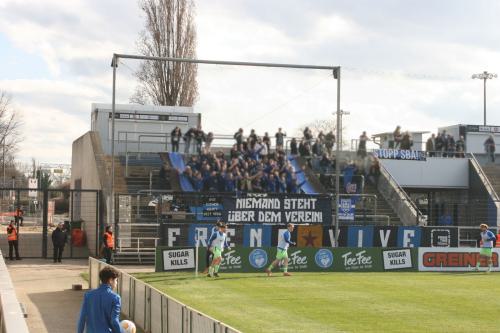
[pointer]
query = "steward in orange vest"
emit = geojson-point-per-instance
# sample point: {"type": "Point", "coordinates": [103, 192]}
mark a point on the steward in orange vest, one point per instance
{"type": "Point", "coordinates": [109, 244]}
{"type": "Point", "coordinates": [13, 239]}
{"type": "Point", "coordinates": [497, 243]}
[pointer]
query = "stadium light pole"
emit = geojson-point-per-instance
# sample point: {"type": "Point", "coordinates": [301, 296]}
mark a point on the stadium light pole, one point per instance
{"type": "Point", "coordinates": [336, 75]}
{"type": "Point", "coordinates": [484, 76]}
{"type": "Point", "coordinates": [114, 64]}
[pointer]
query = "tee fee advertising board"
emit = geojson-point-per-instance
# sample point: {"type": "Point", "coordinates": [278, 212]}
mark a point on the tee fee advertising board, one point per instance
{"type": "Point", "coordinates": [453, 259]}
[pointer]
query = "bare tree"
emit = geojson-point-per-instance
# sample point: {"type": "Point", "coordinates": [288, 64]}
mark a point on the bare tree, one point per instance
{"type": "Point", "coordinates": [325, 126]}
{"type": "Point", "coordinates": [169, 31]}
{"type": "Point", "coordinates": [10, 134]}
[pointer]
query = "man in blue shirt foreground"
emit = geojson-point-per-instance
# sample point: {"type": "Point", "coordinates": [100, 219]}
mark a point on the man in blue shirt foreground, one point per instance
{"type": "Point", "coordinates": [101, 307]}
{"type": "Point", "coordinates": [487, 239]}
{"type": "Point", "coordinates": [284, 241]}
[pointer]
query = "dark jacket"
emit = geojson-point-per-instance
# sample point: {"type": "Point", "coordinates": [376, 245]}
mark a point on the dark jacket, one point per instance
{"type": "Point", "coordinates": [59, 237]}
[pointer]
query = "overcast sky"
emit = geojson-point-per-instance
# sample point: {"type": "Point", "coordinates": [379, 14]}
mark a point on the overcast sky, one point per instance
{"type": "Point", "coordinates": [404, 62]}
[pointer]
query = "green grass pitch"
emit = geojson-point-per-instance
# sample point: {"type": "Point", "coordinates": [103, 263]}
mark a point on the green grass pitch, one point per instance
{"type": "Point", "coordinates": [342, 302]}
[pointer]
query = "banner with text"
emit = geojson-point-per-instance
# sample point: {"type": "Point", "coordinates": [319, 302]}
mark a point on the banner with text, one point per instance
{"type": "Point", "coordinates": [397, 154]}
{"type": "Point", "coordinates": [431, 259]}
{"type": "Point", "coordinates": [279, 210]}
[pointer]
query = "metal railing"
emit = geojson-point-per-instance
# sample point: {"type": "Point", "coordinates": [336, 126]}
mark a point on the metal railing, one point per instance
{"type": "Point", "coordinates": [398, 199]}
{"type": "Point", "coordinates": [11, 314]}
{"type": "Point", "coordinates": [153, 310]}
{"type": "Point", "coordinates": [484, 178]}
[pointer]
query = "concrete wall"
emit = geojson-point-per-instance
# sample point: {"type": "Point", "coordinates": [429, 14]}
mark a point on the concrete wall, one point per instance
{"type": "Point", "coordinates": [432, 173]}
{"type": "Point", "coordinates": [85, 176]}
{"type": "Point", "coordinates": [154, 120]}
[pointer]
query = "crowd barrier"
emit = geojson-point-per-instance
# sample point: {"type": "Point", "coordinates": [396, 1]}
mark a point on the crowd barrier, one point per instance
{"type": "Point", "coordinates": [259, 235]}
{"type": "Point", "coordinates": [154, 311]}
{"type": "Point", "coordinates": [308, 259]}
{"type": "Point", "coordinates": [11, 315]}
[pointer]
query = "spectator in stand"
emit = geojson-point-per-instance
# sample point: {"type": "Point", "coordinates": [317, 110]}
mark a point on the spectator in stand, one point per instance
{"type": "Point", "coordinates": [307, 135]}
{"type": "Point", "coordinates": [406, 142]}
{"type": "Point", "coordinates": [267, 141]}
{"type": "Point", "coordinates": [280, 139]}
{"type": "Point", "coordinates": [329, 142]}
{"type": "Point", "coordinates": [374, 171]}
{"type": "Point", "coordinates": [321, 136]}
{"type": "Point", "coordinates": [362, 145]}
{"type": "Point", "coordinates": [188, 138]}
{"type": "Point", "coordinates": [326, 164]}
{"type": "Point", "coordinates": [460, 147]}
{"type": "Point", "coordinates": [293, 147]}
{"type": "Point", "coordinates": [438, 144]}
{"type": "Point", "coordinates": [317, 147]}
{"type": "Point", "coordinates": [238, 136]}
{"type": "Point", "coordinates": [444, 145]}
{"type": "Point", "coordinates": [451, 146]}
{"type": "Point", "coordinates": [489, 147]}
{"type": "Point", "coordinates": [199, 138]}
{"type": "Point", "coordinates": [398, 137]}
{"type": "Point", "coordinates": [208, 141]}
{"type": "Point", "coordinates": [175, 138]}
{"type": "Point", "coordinates": [430, 145]}
{"type": "Point", "coordinates": [252, 138]}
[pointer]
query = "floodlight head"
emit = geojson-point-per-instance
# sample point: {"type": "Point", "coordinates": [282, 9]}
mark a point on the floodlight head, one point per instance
{"type": "Point", "coordinates": [484, 76]}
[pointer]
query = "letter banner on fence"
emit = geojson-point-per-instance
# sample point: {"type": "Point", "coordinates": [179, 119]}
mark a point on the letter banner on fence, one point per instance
{"type": "Point", "coordinates": [301, 259]}
{"type": "Point", "coordinates": [279, 210]}
{"type": "Point", "coordinates": [397, 154]}
{"type": "Point", "coordinates": [431, 259]}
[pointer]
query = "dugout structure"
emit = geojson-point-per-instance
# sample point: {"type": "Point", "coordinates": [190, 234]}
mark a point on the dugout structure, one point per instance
{"type": "Point", "coordinates": [336, 73]}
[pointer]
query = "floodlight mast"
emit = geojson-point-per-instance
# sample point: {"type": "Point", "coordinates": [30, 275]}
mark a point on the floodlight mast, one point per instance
{"type": "Point", "coordinates": [485, 76]}
{"type": "Point", "coordinates": [114, 64]}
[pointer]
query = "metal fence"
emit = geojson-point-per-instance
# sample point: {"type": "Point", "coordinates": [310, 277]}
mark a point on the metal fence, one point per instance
{"type": "Point", "coordinates": [11, 315]}
{"type": "Point", "coordinates": [42, 211]}
{"type": "Point", "coordinates": [154, 311]}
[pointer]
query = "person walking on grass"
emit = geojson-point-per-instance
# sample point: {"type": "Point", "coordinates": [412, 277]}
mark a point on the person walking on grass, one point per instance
{"type": "Point", "coordinates": [101, 307]}
{"type": "Point", "coordinates": [284, 242]}
{"type": "Point", "coordinates": [487, 239]}
{"type": "Point", "coordinates": [217, 243]}
{"type": "Point", "coordinates": [209, 255]}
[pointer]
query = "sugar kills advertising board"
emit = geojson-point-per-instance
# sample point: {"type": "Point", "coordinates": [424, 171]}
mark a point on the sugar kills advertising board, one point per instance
{"type": "Point", "coordinates": [176, 259]}
{"type": "Point", "coordinates": [279, 210]}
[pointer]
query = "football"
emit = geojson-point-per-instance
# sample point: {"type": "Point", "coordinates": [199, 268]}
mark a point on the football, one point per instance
{"type": "Point", "coordinates": [126, 326]}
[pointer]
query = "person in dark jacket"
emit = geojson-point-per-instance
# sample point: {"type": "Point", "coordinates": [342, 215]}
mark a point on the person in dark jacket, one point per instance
{"type": "Point", "coordinates": [59, 239]}
{"type": "Point", "coordinates": [175, 138]}
{"type": "Point", "coordinates": [489, 147]}
{"type": "Point", "coordinates": [101, 307]}
{"type": "Point", "coordinates": [293, 147]}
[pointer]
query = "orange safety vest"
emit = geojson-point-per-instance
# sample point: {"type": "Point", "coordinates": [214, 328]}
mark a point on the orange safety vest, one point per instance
{"type": "Point", "coordinates": [11, 234]}
{"type": "Point", "coordinates": [110, 242]}
{"type": "Point", "coordinates": [498, 240]}
{"type": "Point", "coordinates": [19, 212]}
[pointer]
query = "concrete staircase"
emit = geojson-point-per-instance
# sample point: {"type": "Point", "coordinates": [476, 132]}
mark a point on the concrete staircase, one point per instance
{"type": "Point", "coordinates": [383, 208]}
{"type": "Point", "coordinates": [492, 171]}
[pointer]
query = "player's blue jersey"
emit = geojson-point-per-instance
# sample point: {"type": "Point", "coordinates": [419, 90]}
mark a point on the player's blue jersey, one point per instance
{"type": "Point", "coordinates": [487, 237]}
{"type": "Point", "coordinates": [284, 240]}
{"type": "Point", "coordinates": [218, 240]}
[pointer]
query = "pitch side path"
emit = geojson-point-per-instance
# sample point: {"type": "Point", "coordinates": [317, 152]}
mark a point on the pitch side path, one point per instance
{"type": "Point", "coordinates": [45, 290]}
{"type": "Point", "coordinates": [342, 302]}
